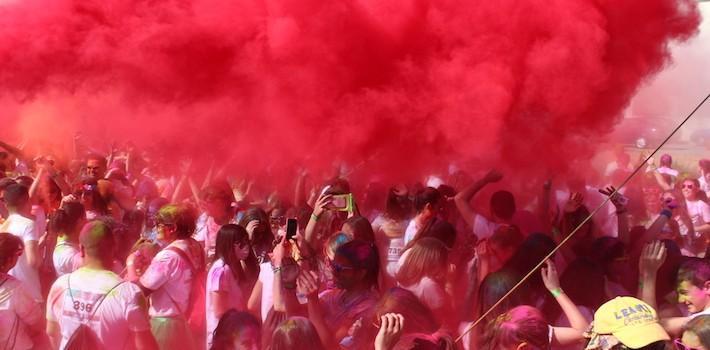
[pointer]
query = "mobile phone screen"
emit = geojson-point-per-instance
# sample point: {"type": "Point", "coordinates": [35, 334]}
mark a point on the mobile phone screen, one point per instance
{"type": "Point", "coordinates": [291, 228]}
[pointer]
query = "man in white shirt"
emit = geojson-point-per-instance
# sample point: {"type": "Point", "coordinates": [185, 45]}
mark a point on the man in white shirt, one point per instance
{"type": "Point", "coordinates": [217, 202]}
{"type": "Point", "coordinates": [114, 310]}
{"type": "Point", "coordinates": [20, 224]}
{"type": "Point", "coordinates": [502, 207]}
{"type": "Point", "coordinates": [169, 278]}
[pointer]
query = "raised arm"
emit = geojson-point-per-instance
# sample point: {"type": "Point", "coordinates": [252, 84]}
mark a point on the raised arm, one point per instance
{"type": "Point", "coordinates": [564, 335]}
{"type": "Point", "coordinates": [620, 202]}
{"type": "Point", "coordinates": [17, 152]}
{"type": "Point", "coordinates": [318, 210]}
{"type": "Point", "coordinates": [308, 285]}
{"type": "Point", "coordinates": [463, 198]}
{"type": "Point", "coordinates": [652, 257]}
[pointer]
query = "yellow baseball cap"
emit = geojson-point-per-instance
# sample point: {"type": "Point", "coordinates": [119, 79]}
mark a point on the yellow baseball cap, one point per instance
{"type": "Point", "coordinates": [633, 322]}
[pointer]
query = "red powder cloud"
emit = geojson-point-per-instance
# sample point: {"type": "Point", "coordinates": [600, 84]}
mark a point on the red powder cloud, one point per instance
{"type": "Point", "coordinates": [405, 86]}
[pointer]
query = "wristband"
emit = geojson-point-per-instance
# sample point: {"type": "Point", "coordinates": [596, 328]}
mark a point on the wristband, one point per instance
{"type": "Point", "coordinates": [276, 269]}
{"type": "Point", "coordinates": [667, 213]}
{"type": "Point", "coordinates": [556, 292]}
{"type": "Point", "coordinates": [314, 217]}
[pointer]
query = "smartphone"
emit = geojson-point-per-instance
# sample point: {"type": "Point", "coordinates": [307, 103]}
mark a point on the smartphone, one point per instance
{"type": "Point", "coordinates": [342, 202]}
{"type": "Point", "coordinates": [291, 229]}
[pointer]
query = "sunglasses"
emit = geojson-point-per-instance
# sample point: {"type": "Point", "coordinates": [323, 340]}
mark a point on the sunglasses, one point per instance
{"type": "Point", "coordinates": [680, 346]}
{"type": "Point", "coordinates": [340, 268]}
{"type": "Point", "coordinates": [688, 186]}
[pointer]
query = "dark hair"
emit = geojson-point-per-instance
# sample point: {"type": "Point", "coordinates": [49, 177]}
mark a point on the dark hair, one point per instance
{"type": "Point", "coordinates": [362, 255]}
{"type": "Point", "coordinates": [700, 326]}
{"type": "Point", "coordinates": [423, 341]}
{"type": "Point", "coordinates": [90, 186]}
{"type": "Point", "coordinates": [583, 280]}
{"type": "Point", "coordinates": [427, 195]}
{"type": "Point", "coordinates": [361, 227]}
{"type": "Point", "coordinates": [493, 287]}
{"type": "Point", "coordinates": [522, 324]}
{"type": "Point", "coordinates": [66, 218]}
{"type": "Point", "coordinates": [296, 333]}
{"type": "Point", "coordinates": [262, 241]}
{"type": "Point", "coordinates": [604, 250]}
{"type": "Point", "coordinates": [436, 228]}
{"type": "Point", "coordinates": [9, 246]}
{"type": "Point", "coordinates": [337, 186]}
{"type": "Point", "coordinates": [218, 190]}
{"type": "Point", "coordinates": [507, 236]}
{"type": "Point", "coordinates": [6, 181]}
{"type": "Point", "coordinates": [533, 249]}
{"type": "Point", "coordinates": [24, 180]}
{"type": "Point", "coordinates": [503, 205]}
{"type": "Point", "coordinates": [418, 317]}
{"type": "Point", "coordinates": [397, 207]}
{"type": "Point", "coordinates": [95, 156]}
{"type": "Point", "coordinates": [16, 195]}
{"type": "Point", "coordinates": [694, 270]}
{"type": "Point", "coordinates": [182, 216]}
{"type": "Point", "coordinates": [227, 236]}
{"type": "Point", "coordinates": [230, 325]}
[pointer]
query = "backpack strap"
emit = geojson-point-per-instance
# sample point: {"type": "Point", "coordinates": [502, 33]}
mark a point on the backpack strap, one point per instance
{"type": "Point", "coordinates": [97, 305]}
{"type": "Point", "coordinates": [183, 255]}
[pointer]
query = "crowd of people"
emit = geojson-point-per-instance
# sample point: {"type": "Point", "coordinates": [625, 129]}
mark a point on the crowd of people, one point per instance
{"type": "Point", "coordinates": [112, 251]}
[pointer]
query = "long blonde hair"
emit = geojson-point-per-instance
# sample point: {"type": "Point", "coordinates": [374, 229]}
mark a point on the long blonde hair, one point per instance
{"type": "Point", "coordinates": [427, 258]}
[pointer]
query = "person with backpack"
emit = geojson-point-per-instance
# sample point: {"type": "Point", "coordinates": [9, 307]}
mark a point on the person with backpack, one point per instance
{"type": "Point", "coordinates": [92, 308]}
{"type": "Point", "coordinates": [174, 282]}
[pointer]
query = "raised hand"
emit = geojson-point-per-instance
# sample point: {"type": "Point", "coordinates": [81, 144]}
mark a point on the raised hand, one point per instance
{"type": "Point", "coordinates": [616, 198]}
{"type": "Point", "coordinates": [391, 326]}
{"type": "Point", "coordinates": [652, 257]}
{"type": "Point", "coordinates": [575, 201]}
{"type": "Point", "coordinates": [308, 284]}
{"type": "Point", "coordinates": [550, 277]}
{"type": "Point", "coordinates": [322, 203]}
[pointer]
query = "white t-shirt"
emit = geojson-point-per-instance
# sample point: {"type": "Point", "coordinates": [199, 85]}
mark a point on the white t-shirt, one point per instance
{"type": "Point", "coordinates": [18, 308]}
{"type": "Point", "coordinates": [221, 279]}
{"type": "Point", "coordinates": [430, 293]}
{"type": "Point", "coordinates": [704, 185]}
{"type": "Point", "coordinates": [699, 213]}
{"type": "Point", "coordinates": [484, 228]}
{"type": "Point", "coordinates": [390, 247]}
{"type": "Point", "coordinates": [170, 278]}
{"type": "Point", "coordinates": [701, 313]}
{"type": "Point", "coordinates": [411, 231]}
{"type": "Point", "coordinates": [66, 257]}
{"type": "Point", "coordinates": [121, 313]}
{"type": "Point", "coordinates": [24, 228]}
{"type": "Point", "coordinates": [40, 219]}
{"type": "Point", "coordinates": [206, 232]}
{"type": "Point", "coordinates": [266, 277]}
